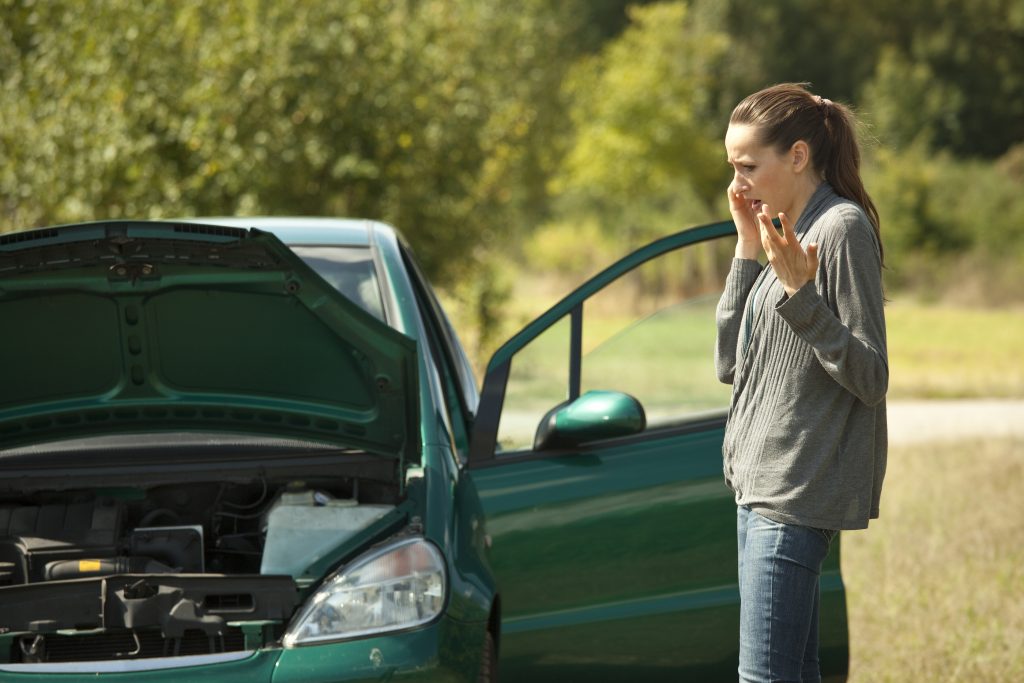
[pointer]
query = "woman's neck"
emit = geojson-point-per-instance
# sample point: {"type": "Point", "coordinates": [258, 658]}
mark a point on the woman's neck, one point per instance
{"type": "Point", "coordinates": [803, 195]}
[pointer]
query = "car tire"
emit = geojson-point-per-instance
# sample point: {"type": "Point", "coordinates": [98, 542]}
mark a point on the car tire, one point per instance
{"type": "Point", "coordinates": [488, 660]}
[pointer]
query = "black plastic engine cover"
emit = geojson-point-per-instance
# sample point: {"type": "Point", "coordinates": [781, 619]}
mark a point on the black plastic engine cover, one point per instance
{"type": "Point", "coordinates": [31, 536]}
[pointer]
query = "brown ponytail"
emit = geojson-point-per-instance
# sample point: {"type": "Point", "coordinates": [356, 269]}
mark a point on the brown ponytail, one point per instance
{"type": "Point", "coordinates": [787, 112]}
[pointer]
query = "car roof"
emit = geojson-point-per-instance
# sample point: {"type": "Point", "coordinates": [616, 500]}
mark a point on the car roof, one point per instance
{"type": "Point", "coordinates": [302, 229]}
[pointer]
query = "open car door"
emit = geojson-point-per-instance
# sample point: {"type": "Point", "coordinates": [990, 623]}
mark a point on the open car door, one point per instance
{"type": "Point", "coordinates": [597, 454]}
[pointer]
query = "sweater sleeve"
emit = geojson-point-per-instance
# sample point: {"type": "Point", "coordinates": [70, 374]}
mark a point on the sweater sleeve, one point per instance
{"type": "Point", "coordinates": [729, 315]}
{"type": "Point", "coordinates": [848, 337]}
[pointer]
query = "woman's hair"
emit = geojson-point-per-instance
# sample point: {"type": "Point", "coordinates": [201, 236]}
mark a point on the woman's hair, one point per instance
{"type": "Point", "coordinates": [785, 113]}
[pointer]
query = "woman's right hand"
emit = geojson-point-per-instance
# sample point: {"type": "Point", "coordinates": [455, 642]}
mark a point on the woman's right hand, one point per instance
{"type": "Point", "coordinates": [748, 245]}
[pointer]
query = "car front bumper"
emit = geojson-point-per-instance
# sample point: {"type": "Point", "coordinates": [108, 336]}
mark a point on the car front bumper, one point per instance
{"type": "Point", "coordinates": [446, 650]}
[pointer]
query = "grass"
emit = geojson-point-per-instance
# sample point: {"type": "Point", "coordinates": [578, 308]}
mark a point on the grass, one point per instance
{"type": "Point", "coordinates": [660, 350]}
{"type": "Point", "coordinates": [936, 350]}
{"type": "Point", "coordinates": [666, 359]}
{"type": "Point", "coordinates": [935, 587]}
{"type": "Point", "coordinates": [952, 352]}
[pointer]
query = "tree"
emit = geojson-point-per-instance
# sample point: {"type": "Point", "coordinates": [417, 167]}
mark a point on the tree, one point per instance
{"type": "Point", "coordinates": [945, 69]}
{"type": "Point", "coordinates": [647, 142]}
{"type": "Point", "coordinates": [951, 69]}
{"type": "Point", "coordinates": [431, 115]}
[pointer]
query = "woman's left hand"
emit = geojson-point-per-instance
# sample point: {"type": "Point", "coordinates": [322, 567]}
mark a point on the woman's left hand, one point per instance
{"type": "Point", "coordinates": [792, 265]}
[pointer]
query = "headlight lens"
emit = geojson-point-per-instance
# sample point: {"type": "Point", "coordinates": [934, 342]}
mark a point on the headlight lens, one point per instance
{"type": "Point", "coordinates": [398, 586]}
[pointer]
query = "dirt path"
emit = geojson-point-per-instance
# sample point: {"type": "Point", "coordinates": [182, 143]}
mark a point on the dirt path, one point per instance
{"type": "Point", "coordinates": [922, 421]}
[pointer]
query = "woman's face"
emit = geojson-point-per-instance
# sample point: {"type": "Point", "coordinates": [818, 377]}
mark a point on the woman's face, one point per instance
{"type": "Point", "coordinates": [760, 173]}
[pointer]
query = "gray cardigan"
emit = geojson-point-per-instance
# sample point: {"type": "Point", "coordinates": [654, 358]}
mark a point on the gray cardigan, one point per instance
{"type": "Point", "coordinates": [805, 442]}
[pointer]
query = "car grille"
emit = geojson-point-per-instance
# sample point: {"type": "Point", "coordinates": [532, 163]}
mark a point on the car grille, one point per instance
{"type": "Point", "coordinates": [123, 645]}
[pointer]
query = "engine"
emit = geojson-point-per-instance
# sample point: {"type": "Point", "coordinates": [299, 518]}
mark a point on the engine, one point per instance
{"type": "Point", "coordinates": [174, 569]}
{"type": "Point", "coordinates": [190, 529]}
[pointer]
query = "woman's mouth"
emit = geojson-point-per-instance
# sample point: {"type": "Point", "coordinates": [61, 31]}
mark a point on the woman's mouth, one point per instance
{"type": "Point", "coordinates": [755, 205]}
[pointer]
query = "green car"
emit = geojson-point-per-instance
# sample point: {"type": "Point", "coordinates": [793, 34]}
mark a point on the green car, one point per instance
{"type": "Point", "coordinates": [254, 450]}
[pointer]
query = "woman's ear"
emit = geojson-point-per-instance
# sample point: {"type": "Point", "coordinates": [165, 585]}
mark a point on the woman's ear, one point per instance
{"type": "Point", "coordinates": [800, 156]}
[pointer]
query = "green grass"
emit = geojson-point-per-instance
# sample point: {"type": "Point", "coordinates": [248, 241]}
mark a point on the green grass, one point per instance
{"type": "Point", "coordinates": [934, 352]}
{"type": "Point", "coordinates": [935, 587]}
{"type": "Point", "coordinates": [667, 360]}
{"type": "Point", "coordinates": [949, 352]}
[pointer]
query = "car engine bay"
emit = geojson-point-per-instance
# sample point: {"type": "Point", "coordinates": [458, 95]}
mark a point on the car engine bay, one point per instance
{"type": "Point", "coordinates": [170, 569]}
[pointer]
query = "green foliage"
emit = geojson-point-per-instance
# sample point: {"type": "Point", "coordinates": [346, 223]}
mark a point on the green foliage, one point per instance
{"type": "Point", "coordinates": [430, 115]}
{"type": "Point", "coordinates": [645, 159]}
{"type": "Point", "coordinates": [644, 139]}
{"type": "Point", "coordinates": [467, 122]}
{"type": "Point", "coordinates": [952, 227]}
{"type": "Point", "coordinates": [646, 156]}
{"type": "Point", "coordinates": [907, 189]}
{"type": "Point", "coordinates": [575, 247]}
{"type": "Point", "coordinates": [909, 104]}
{"type": "Point", "coordinates": [975, 54]}
{"type": "Point", "coordinates": [831, 45]}
{"type": "Point", "coordinates": [947, 68]}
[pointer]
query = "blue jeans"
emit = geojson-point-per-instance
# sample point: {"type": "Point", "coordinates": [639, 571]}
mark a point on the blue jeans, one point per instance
{"type": "Point", "coordinates": [779, 569]}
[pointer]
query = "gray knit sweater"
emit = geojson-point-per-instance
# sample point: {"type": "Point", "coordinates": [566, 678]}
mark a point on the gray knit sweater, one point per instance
{"type": "Point", "coordinates": [806, 440]}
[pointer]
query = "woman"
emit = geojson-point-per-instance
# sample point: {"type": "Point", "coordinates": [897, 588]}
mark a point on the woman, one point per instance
{"type": "Point", "coordinates": [802, 341]}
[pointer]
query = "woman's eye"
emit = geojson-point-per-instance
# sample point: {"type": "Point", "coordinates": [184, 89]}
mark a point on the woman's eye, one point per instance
{"type": "Point", "coordinates": [748, 167]}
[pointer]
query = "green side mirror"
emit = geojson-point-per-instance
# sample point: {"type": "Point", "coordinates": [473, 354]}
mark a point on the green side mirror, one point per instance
{"type": "Point", "coordinates": [594, 415]}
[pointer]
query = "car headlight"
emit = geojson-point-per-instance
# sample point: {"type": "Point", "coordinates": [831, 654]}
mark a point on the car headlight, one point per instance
{"type": "Point", "coordinates": [398, 586]}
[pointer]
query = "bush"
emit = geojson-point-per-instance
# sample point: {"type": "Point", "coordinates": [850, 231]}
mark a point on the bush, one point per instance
{"type": "Point", "coordinates": [951, 226]}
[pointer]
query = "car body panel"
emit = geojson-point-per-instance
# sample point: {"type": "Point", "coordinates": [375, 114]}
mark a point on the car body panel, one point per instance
{"type": "Point", "coordinates": [309, 230]}
{"type": "Point", "coordinates": [446, 650]}
{"type": "Point", "coordinates": [255, 667]}
{"type": "Point", "coordinates": [599, 570]}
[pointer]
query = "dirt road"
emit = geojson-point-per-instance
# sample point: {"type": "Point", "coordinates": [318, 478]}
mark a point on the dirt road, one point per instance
{"type": "Point", "coordinates": [921, 421]}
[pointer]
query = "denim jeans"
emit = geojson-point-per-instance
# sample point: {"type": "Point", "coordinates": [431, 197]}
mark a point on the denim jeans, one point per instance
{"type": "Point", "coordinates": [779, 568]}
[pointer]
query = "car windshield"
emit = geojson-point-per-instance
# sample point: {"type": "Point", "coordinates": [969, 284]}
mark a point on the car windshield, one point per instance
{"type": "Point", "coordinates": [350, 270]}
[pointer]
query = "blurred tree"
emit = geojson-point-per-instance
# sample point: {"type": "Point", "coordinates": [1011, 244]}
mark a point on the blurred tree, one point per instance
{"type": "Point", "coordinates": [953, 228]}
{"type": "Point", "coordinates": [450, 119]}
{"type": "Point", "coordinates": [646, 138]}
{"type": "Point", "coordinates": [952, 69]}
{"type": "Point", "coordinates": [601, 21]}
{"type": "Point", "coordinates": [908, 104]}
{"type": "Point", "coordinates": [947, 70]}
{"type": "Point", "coordinates": [831, 45]}
{"type": "Point", "coordinates": [433, 115]}
{"type": "Point", "coordinates": [646, 156]}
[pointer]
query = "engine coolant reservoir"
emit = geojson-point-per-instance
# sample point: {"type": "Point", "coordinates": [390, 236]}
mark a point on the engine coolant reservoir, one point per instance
{"type": "Point", "coordinates": [302, 526]}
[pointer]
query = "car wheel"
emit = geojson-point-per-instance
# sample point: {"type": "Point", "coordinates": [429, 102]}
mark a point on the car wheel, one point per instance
{"type": "Point", "coordinates": [488, 663]}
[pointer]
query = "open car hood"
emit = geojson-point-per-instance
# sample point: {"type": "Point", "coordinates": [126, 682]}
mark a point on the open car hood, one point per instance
{"type": "Point", "coordinates": [149, 327]}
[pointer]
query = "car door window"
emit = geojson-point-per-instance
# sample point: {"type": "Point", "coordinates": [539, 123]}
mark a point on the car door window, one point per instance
{"type": "Point", "coordinates": [649, 333]}
{"type": "Point", "coordinates": [537, 381]}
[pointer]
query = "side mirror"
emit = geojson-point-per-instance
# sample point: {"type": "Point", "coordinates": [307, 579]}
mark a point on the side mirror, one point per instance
{"type": "Point", "coordinates": [594, 415]}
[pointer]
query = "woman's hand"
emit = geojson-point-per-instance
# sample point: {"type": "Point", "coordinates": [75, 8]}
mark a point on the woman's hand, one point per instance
{"type": "Point", "coordinates": [749, 244]}
{"type": "Point", "coordinates": [792, 265]}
